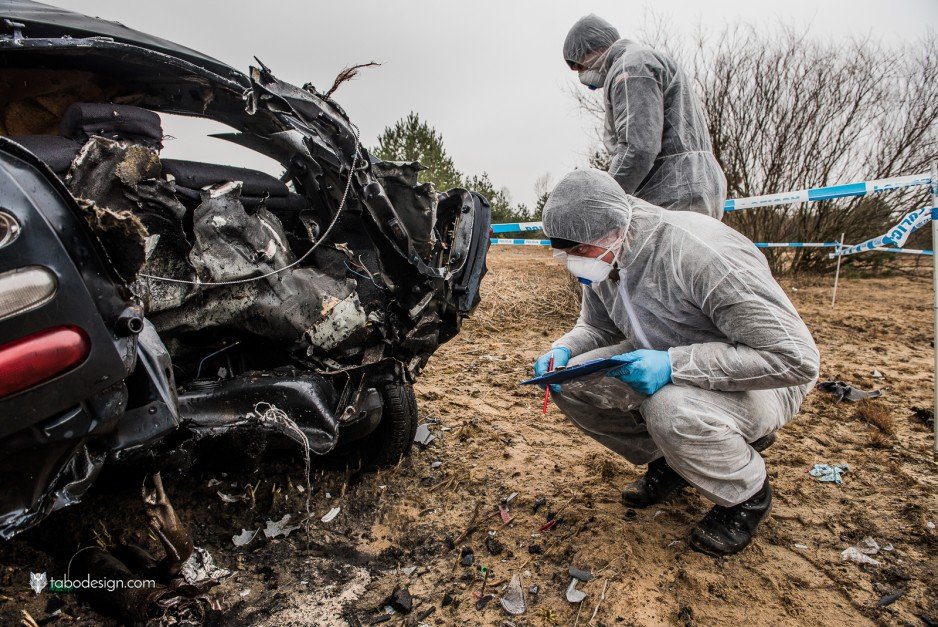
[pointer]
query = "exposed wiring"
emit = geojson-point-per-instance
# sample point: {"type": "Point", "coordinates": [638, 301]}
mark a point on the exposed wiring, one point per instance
{"type": "Point", "coordinates": [198, 372]}
{"type": "Point", "coordinates": [361, 264]}
{"type": "Point", "coordinates": [356, 273]}
{"type": "Point", "coordinates": [335, 219]}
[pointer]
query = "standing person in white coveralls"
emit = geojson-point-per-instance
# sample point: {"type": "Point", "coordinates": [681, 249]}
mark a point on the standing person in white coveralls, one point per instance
{"type": "Point", "coordinates": [655, 128]}
{"type": "Point", "coordinates": [715, 357]}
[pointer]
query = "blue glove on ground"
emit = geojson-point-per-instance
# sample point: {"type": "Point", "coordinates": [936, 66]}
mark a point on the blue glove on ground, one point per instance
{"type": "Point", "coordinates": [561, 356]}
{"type": "Point", "coordinates": [646, 371]}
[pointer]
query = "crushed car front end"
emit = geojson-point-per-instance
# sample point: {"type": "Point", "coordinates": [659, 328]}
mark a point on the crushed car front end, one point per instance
{"type": "Point", "coordinates": [223, 299]}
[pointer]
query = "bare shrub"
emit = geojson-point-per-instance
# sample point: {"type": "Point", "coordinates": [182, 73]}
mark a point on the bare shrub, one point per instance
{"type": "Point", "coordinates": [787, 111]}
{"type": "Point", "coordinates": [878, 440]}
{"type": "Point", "coordinates": [877, 415]}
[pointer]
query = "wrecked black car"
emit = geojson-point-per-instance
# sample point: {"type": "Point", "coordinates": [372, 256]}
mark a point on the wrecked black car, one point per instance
{"type": "Point", "coordinates": [148, 304]}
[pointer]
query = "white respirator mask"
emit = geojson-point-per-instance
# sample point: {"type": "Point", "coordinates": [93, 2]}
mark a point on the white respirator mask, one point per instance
{"type": "Point", "coordinates": [591, 78]}
{"type": "Point", "coordinates": [589, 270]}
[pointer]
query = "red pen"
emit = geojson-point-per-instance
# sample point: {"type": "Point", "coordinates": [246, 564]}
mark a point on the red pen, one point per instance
{"type": "Point", "coordinates": [550, 368]}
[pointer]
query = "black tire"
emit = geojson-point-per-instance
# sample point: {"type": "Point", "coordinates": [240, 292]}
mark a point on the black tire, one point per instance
{"type": "Point", "coordinates": [394, 437]}
{"type": "Point", "coordinates": [391, 440]}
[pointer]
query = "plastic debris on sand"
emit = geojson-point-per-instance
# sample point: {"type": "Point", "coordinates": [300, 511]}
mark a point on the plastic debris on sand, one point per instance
{"type": "Point", "coordinates": [513, 599]}
{"type": "Point", "coordinates": [829, 473]}
{"type": "Point", "coordinates": [861, 552]}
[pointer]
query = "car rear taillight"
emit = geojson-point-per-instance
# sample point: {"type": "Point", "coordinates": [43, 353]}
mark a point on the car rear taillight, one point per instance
{"type": "Point", "coordinates": [24, 289]}
{"type": "Point", "coordinates": [39, 357]}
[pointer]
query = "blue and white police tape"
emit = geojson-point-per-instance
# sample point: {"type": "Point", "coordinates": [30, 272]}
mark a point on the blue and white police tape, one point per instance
{"type": "Point", "coordinates": [897, 235]}
{"type": "Point", "coordinates": [516, 227]}
{"type": "Point", "coordinates": [520, 242]}
{"type": "Point", "coordinates": [905, 251]}
{"type": "Point", "coordinates": [815, 194]}
{"type": "Point", "coordinates": [861, 188]}
{"type": "Point", "coordinates": [546, 242]}
{"type": "Point", "coordinates": [909, 251]}
{"type": "Point", "coordinates": [798, 244]}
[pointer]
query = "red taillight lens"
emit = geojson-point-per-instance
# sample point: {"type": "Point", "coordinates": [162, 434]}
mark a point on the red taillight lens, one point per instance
{"type": "Point", "coordinates": [41, 356]}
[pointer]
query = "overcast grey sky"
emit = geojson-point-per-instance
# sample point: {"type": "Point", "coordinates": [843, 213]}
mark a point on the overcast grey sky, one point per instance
{"type": "Point", "coordinates": [488, 75]}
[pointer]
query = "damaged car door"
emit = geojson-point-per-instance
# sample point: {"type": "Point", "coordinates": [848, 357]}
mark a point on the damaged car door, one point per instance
{"type": "Point", "coordinates": [143, 296]}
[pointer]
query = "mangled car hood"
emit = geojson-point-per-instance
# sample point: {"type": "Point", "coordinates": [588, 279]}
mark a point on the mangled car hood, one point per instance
{"type": "Point", "coordinates": [312, 292]}
{"type": "Point", "coordinates": [307, 132]}
{"type": "Point", "coordinates": [42, 20]}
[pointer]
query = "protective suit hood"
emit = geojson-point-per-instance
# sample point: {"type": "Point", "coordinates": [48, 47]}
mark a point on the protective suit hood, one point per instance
{"type": "Point", "coordinates": [586, 206]}
{"type": "Point", "coordinates": [590, 34]}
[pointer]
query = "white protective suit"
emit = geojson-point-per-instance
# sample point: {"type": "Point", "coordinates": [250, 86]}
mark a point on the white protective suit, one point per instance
{"type": "Point", "coordinates": [655, 127]}
{"type": "Point", "coordinates": [742, 359]}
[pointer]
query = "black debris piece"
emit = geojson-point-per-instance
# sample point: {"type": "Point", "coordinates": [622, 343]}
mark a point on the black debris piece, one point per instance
{"type": "Point", "coordinates": [494, 546]}
{"type": "Point", "coordinates": [447, 599]}
{"type": "Point", "coordinates": [889, 599]}
{"type": "Point", "coordinates": [422, 616]}
{"type": "Point", "coordinates": [535, 549]}
{"type": "Point", "coordinates": [582, 575]}
{"type": "Point", "coordinates": [401, 600]}
{"type": "Point", "coordinates": [481, 603]}
{"type": "Point", "coordinates": [630, 513]}
{"type": "Point", "coordinates": [539, 502]}
{"type": "Point", "coordinates": [468, 557]}
{"type": "Point", "coordinates": [54, 604]}
{"type": "Point", "coordinates": [924, 415]}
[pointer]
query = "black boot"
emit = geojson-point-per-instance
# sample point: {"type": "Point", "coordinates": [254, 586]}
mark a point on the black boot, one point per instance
{"type": "Point", "coordinates": [657, 484]}
{"type": "Point", "coordinates": [728, 530]}
{"type": "Point", "coordinates": [764, 442]}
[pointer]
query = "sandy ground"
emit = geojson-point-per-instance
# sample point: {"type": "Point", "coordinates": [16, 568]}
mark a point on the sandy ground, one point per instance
{"type": "Point", "coordinates": [491, 441]}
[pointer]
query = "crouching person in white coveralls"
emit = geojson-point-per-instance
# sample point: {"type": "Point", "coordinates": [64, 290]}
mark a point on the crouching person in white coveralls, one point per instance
{"type": "Point", "coordinates": [714, 356]}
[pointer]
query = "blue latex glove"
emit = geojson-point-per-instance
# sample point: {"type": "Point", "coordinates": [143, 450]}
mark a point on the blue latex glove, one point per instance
{"type": "Point", "coordinates": [646, 371]}
{"type": "Point", "coordinates": [561, 356]}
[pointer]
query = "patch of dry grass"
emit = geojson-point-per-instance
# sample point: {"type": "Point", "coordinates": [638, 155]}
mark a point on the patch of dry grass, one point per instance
{"type": "Point", "coordinates": [874, 413]}
{"type": "Point", "coordinates": [512, 300]}
{"type": "Point", "coordinates": [879, 440]}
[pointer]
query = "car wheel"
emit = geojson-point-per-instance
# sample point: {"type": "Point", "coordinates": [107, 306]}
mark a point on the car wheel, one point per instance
{"type": "Point", "coordinates": [394, 436]}
{"type": "Point", "coordinates": [391, 440]}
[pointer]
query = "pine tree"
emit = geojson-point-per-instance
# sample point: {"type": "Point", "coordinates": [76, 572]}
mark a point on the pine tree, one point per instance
{"type": "Point", "coordinates": [502, 211]}
{"type": "Point", "coordinates": [411, 139]}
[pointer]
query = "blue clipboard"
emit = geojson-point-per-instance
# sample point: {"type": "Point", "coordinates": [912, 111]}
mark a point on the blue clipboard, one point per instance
{"type": "Point", "coordinates": [564, 375]}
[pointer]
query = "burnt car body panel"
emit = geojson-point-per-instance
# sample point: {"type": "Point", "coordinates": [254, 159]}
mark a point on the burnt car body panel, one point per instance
{"type": "Point", "coordinates": [45, 21]}
{"type": "Point", "coordinates": [44, 429]}
{"type": "Point", "coordinates": [311, 298]}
